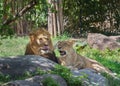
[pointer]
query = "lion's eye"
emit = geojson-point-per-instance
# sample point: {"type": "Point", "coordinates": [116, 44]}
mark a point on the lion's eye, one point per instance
{"type": "Point", "coordinates": [59, 47]}
{"type": "Point", "coordinates": [47, 38]}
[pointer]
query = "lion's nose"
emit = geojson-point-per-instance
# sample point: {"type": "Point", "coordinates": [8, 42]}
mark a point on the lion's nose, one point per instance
{"type": "Point", "coordinates": [46, 44]}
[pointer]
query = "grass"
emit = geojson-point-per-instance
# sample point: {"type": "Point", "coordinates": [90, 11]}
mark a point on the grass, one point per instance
{"type": "Point", "coordinates": [50, 82]}
{"type": "Point", "coordinates": [17, 45]}
{"type": "Point", "coordinates": [13, 46]}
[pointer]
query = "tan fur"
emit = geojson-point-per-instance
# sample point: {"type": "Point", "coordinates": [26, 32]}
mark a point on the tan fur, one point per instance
{"type": "Point", "coordinates": [40, 44]}
{"type": "Point", "coordinates": [74, 60]}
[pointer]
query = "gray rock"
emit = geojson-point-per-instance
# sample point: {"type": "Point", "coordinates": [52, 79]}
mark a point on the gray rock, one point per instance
{"type": "Point", "coordinates": [37, 81]}
{"type": "Point", "coordinates": [19, 65]}
{"type": "Point", "coordinates": [21, 83]}
{"type": "Point", "coordinates": [56, 78]}
{"type": "Point", "coordinates": [90, 77]}
{"type": "Point", "coordinates": [101, 42]}
{"type": "Point", "coordinates": [116, 38]}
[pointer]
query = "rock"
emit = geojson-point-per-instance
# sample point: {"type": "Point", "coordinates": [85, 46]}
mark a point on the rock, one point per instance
{"type": "Point", "coordinates": [37, 81]}
{"type": "Point", "coordinates": [90, 77]}
{"type": "Point", "coordinates": [56, 78]}
{"type": "Point", "coordinates": [19, 65]}
{"type": "Point", "coordinates": [21, 83]}
{"type": "Point", "coordinates": [101, 42]}
{"type": "Point", "coordinates": [116, 38]}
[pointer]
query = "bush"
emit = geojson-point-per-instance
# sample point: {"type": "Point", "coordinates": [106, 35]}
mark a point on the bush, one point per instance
{"type": "Point", "coordinates": [49, 82]}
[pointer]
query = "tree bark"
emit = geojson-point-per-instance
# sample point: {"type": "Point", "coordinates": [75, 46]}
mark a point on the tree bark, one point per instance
{"type": "Point", "coordinates": [55, 19]}
{"type": "Point", "coordinates": [50, 20]}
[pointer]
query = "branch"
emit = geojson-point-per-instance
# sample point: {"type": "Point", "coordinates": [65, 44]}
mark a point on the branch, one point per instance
{"type": "Point", "coordinates": [19, 14]}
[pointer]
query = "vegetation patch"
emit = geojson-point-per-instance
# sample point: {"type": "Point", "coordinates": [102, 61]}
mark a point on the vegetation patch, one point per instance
{"type": "Point", "coordinates": [49, 82]}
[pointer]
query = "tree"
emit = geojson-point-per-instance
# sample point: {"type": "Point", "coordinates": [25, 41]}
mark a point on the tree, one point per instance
{"type": "Point", "coordinates": [92, 16]}
{"type": "Point", "coordinates": [13, 11]}
{"type": "Point", "coordinates": [55, 17]}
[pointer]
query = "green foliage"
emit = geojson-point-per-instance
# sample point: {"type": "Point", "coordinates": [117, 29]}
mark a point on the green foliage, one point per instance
{"type": "Point", "coordinates": [38, 14]}
{"type": "Point", "coordinates": [6, 31]}
{"type": "Point", "coordinates": [57, 53]}
{"type": "Point", "coordinates": [67, 75]}
{"type": "Point", "coordinates": [61, 37]}
{"type": "Point", "coordinates": [1, 11]}
{"type": "Point", "coordinates": [49, 82]}
{"type": "Point", "coordinates": [4, 78]}
{"type": "Point", "coordinates": [80, 14]}
{"type": "Point", "coordinates": [5, 11]}
{"type": "Point", "coordinates": [40, 72]}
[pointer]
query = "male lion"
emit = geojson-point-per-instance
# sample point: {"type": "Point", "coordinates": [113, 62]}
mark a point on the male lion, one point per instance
{"type": "Point", "coordinates": [41, 44]}
{"type": "Point", "coordinates": [69, 57]}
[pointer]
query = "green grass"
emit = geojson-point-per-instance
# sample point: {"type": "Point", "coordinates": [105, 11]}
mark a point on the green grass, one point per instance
{"type": "Point", "coordinates": [49, 82]}
{"type": "Point", "coordinates": [13, 46]}
{"type": "Point", "coordinates": [60, 38]}
{"type": "Point", "coordinates": [17, 45]}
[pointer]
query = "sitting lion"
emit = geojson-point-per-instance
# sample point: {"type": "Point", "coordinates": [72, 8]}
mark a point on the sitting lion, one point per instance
{"type": "Point", "coordinates": [41, 44]}
{"type": "Point", "coordinates": [69, 57]}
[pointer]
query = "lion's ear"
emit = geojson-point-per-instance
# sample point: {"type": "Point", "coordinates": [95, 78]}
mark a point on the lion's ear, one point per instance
{"type": "Point", "coordinates": [32, 37]}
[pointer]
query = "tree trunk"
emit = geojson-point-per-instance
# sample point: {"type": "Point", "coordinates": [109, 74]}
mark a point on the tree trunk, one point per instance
{"type": "Point", "coordinates": [50, 20]}
{"type": "Point", "coordinates": [55, 19]}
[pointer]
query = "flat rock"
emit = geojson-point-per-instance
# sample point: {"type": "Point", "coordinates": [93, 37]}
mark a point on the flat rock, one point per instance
{"type": "Point", "coordinates": [19, 65]}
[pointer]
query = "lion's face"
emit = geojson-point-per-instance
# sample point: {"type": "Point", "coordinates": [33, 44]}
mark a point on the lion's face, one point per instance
{"type": "Point", "coordinates": [66, 50]}
{"type": "Point", "coordinates": [41, 42]}
{"type": "Point", "coordinates": [63, 48]}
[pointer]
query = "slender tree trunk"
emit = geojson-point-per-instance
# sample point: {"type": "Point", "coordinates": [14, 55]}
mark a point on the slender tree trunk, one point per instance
{"type": "Point", "coordinates": [50, 20]}
{"type": "Point", "coordinates": [55, 19]}
{"type": "Point", "coordinates": [61, 16]}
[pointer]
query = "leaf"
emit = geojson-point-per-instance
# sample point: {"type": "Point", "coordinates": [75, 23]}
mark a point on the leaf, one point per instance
{"type": "Point", "coordinates": [57, 53]}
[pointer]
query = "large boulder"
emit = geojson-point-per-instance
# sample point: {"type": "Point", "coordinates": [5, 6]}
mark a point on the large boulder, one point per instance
{"type": "Point", "coordinates": [90, 77]}
{"type": "Point", "coordinates": [101, 42]}
{"type": "Point", "coordinates": [19, 65]}
{"type": "Point", "coordinates": [38, 81]}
